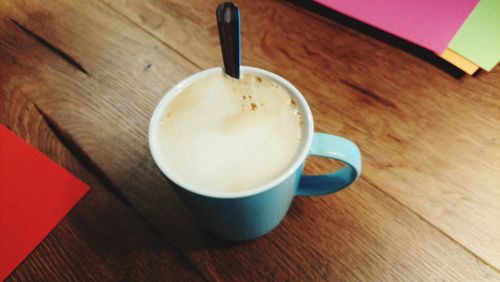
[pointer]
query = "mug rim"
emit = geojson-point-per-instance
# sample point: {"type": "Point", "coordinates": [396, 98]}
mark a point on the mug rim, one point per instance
{"type": "Point", "coordinates": [177, 89]}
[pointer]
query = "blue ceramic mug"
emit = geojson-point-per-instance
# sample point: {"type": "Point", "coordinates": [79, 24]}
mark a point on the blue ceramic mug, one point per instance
{"type": "Point", "coordinates": [249, 214]}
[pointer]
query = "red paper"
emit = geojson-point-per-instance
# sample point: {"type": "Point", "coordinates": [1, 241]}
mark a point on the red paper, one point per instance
{"type": "Point", "coordinates": [428, 23]}
{"type": "Point", "coordinates": [35, 194]}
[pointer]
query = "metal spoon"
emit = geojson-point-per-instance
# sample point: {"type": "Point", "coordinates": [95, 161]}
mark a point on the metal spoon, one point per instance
{"type": "Point", "coordinates": [228, 22]}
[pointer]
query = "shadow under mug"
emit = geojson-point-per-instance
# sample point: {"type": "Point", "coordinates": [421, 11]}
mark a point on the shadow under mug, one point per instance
{"type": "Point", "coordinates": [249, 214]}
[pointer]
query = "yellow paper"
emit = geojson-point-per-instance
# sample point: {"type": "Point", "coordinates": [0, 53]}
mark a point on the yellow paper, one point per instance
{"type": "Point", "coordinates": [459, 61]}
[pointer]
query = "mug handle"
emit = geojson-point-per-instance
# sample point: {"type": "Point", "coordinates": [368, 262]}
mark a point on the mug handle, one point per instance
{"type": "Point", "coordinates": [333, 147]}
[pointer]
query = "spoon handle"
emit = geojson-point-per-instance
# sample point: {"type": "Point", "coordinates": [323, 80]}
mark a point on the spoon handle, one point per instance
{"type": "Point", "coordinates": [228, 22]}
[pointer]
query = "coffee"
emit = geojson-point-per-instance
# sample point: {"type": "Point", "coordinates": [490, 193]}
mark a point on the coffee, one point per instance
{"type": "Point", "coordinates": [223, 134]}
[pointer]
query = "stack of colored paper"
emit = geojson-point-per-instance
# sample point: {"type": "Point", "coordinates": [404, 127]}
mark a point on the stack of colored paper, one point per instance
{"type": "Point", "coordinates": [466, 33]}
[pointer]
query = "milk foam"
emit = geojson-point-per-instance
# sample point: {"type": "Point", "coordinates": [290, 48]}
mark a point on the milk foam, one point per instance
{"type": "Point", "coordinates": [223, 134]}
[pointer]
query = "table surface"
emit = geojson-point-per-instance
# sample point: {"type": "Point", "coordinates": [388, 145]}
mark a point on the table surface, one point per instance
{"type": "Point", "coordinates": [79, 80]}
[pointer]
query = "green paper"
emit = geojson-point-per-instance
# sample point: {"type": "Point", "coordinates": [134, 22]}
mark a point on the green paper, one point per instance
{"type": "Point", "coordinates": [479, 37]}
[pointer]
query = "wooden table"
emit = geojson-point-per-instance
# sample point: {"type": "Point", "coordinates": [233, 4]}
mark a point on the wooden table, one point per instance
{"type": "Point", "coordinates": [80, 79]}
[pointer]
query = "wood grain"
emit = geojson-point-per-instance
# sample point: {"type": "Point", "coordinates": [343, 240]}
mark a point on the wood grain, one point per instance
{"type": "Point", "coordinates": [101, 239]}
{"type": "Point", "coordinates": [429, 141]}
{"type": "Point", "coordinates": [360, 233]}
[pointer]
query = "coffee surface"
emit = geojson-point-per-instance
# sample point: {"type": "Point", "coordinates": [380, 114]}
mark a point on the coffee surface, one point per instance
{"type": "Point", "coordinates": [223, 134]}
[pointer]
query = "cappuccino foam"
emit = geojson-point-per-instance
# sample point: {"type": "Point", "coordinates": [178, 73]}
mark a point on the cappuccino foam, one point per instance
{"type": "Point", "coordinates": [223, 134]}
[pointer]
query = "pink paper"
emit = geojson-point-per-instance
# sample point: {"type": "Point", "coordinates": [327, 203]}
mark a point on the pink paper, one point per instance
{"type": "Point", "coordinates": [428, 23]}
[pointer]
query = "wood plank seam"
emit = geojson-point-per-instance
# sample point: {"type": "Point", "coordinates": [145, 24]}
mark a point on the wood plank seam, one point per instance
{"type": "Point", "coordinates": [79, 154]}
{"type": "Point", "coordinates": [369, 93]}
{"type": "Point", "coordinates": [152, 35]}
{"type": "Point", "coordinates": [60, 53]}
{"type": "Point", "coordinates": [431, 224]}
